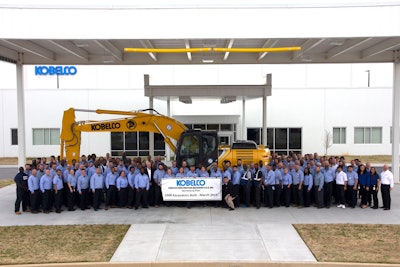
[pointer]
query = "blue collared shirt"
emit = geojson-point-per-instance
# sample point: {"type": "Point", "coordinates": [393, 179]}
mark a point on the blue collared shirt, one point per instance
{"type": "Point", "coordinates": [351, 178]}
{"type": "Point", "coordinates": [58, 182]}
{"type": "Point", "coordinates": [83, 183]}
{"type": "Point", "coordinates": [329, 174]}
{"type": "Point", "coordinates": [46, 183]}
{"type": "Point", "coordinates": [215, 173]}
{"type": "Point", "coordinates": [270, 178]}
{"type": "Point", "coordinates": [142, 181]}
{"type": "Point", "coordinates": [191, 174]}
{"type": "Point", "coordinates": [319, 180]}
{"type": "Point", "coordinates": [33, 183]}
{"type": "Point", "coordinates": [72, 180]}
{"type": "Point", "coordinates": [131, 178]}
{"type": "Point", "coordinates": [308, 181]}
{"type": "Point", "coordinates": [174, 170]}
{"type": "Point", "coordinates": [298, 176]}
{"type": "Point", "coordinates": [122, 182]}
{"type": "Point", "coordinates": [111, 179]}
{"type": "Point", "coordinates": [278, 176]}
{"type": "Point", "coordinates": [286, 179]}
{"type": "Point", "coordinates": [158, 175]}
{"type": "Point", "coordinates": [204, 174]}
{"type": "Point", "coordinates": [236, 178]}
{"type": "Point", "coordinates": [96, 181]}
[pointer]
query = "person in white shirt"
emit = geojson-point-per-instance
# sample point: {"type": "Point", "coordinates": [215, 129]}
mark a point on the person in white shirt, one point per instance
{"type": "Point", "coordinates": [341, 184]}
{"type": "Point", "coordinates": [386, 186]}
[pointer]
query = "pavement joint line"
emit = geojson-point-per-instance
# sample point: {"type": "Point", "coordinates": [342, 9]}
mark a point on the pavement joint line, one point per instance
{"type": "Point", "coordinates": [161, 242]}
{"type": "Point", "coordinates": [257, 229]}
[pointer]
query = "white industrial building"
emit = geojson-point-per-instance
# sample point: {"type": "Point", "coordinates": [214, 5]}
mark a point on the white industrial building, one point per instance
{"type": "Point", "coordinates": [306, 102]}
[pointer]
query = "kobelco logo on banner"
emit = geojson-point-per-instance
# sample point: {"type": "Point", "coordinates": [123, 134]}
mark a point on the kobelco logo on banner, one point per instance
{"type": "Point", "coordinates": [55, 70]}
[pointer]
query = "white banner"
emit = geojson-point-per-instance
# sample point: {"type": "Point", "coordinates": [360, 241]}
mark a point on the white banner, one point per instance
{"type": "Point", "coordinates": [191, 189]}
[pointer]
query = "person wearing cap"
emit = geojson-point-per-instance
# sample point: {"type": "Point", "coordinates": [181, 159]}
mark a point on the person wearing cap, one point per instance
{"type": "Point", "coordinates": [158, 175]}
{"type": "Point", "coordinates": [21, 180]}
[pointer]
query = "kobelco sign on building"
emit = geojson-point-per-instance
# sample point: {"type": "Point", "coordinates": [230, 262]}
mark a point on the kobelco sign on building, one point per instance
{"type": "Point", "coordinates": [55, 70]}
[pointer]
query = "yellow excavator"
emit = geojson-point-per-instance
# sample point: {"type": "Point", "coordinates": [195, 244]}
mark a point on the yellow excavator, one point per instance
{"type": "Point", "coordinates": [192, 146]}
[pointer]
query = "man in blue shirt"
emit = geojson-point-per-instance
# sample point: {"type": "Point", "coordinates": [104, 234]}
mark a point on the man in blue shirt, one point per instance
{"type": "Point", "coordinates": [142, 185]}
{"type": "Point", "coordinates": [96, 185]}
{"type": "Point", "coordinates": [286, 183]}
{"type": "Point", "coordinates": [83, 189]}
{"type": "Point", "coordinates": [122, 187]}
{"type": "Point", "coordinates": [319, 182]}
{"type": "Point", "coordinates": [236, 185]}
{"type": "Point", "coordinates": [329, 176]}
{"type": "Point", "coordinates": [58, 190]}
{"type": "Point", "coordinates": [111, 194]}
{"type": "Point", "coordinates": [158, 175]}
{"type": "Point", "coordinates": [46, 185]}
{"type": "Point", "coordinates": [269, 185]}
{"type": "Point", "coordinates": [131, 188]}
{"type": "Point", "coordinates": [71, 183]}
{"type": "Point", "coordinates": [352, 185]}
{"type": "Point", "coordinates": [21, 180]}
{"type": "Point", "coordinates": [33, 186]}
{"type": "Point", "coordinates": [298, 179]}
{"type": "Point", "coordinates": [278, 184]}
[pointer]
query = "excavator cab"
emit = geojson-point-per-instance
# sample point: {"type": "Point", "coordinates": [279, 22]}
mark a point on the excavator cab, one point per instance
{"type": "Point", "coordinates": [197, 146]}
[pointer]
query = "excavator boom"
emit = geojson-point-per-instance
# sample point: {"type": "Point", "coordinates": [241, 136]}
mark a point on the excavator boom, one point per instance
{"type": "Point", "coordinates": [134, 121]}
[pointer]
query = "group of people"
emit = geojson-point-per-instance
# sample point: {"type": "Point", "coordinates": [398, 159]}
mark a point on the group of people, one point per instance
{"type": "Point", "coordinates": [122, 182]}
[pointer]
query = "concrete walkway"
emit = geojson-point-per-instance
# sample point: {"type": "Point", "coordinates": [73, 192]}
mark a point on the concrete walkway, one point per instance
{"type": "Point", "coordinates": [206, 234]}
{"type": "Point", "coordinates": [238, 243]}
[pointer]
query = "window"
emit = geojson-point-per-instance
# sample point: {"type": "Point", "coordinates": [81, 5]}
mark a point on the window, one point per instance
{"type": "Point", "coordinates": [135, 144]}
{"type": "Point", "coordinates": [339, 135]}
{"type": "Point", "coordinates": [368, 135]}
{"type": "Point", "coordinates": [46, 136]}
{"type": "Point", "coordinates": [14, 137]}
{"type": "Point", "coordinates": [280, 140]}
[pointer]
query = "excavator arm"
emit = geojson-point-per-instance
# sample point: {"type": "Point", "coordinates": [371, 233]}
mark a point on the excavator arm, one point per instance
{"type": "Point", "coordinates": [134, 121]}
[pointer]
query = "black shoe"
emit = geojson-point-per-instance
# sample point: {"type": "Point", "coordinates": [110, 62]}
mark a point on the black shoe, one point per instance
{"type": "Point", "coordinates": [231, 209]}
{"type": "Point", "coordinates": [136, 208]}
{"type": "Point", "coordinates": [58, 211]}
{"type": "Point", "coordinates": [386, 209]}
{"type": "Point", "coordinates": [146, 207]}
{"type": "Point", "coordinates": [71, 209]}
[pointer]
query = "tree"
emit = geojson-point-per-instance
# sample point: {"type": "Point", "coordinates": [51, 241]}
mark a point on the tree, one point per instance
{"type": "Point", "coordinates": [328, 137]}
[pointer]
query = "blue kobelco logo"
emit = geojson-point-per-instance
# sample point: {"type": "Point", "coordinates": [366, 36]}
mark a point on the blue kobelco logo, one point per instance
{"type": "Point", "coordinates": [55, 70]}
{"type": "Point", "coordinates": [194, 182]}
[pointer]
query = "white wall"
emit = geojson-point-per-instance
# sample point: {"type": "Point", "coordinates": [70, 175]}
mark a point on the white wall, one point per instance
{"type": "Point", "coordinates": [313, 97]}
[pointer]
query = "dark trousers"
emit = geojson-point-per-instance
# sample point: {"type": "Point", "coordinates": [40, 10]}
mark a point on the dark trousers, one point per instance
{"type": "Point", "coordinates": [307, 196]}
{"type": "Point", "coordinates": [83, 202]}
{"type": "Point", "coordinates": [386, 199]}
{"type": "Point", "coordinates": [247, 193]}
{"type": "Point", "coordinates": [58, 198]}
{"type": "Point", "coordinates": [97, 198]}
{"type": "Point", "coordinates": [269, 196]}
{"type": "Point", "coordinates": [374, 195]}
{"type": "Point", "coordinates": [364, 194]}
{"type": "Point", "coordinates": [286, 191]}
{"type": "Point", "coordinates": [71, 198]}
{"type": "Point", "coordinates": [46, 200]}
{"type": "Point", "coordinates": [236, 189]}
{"type": "Point", "coordinates": [328, 187]}
{"type": "Point", "coordinates": [22, 196]}
{"type": "Point", "coordinates": [141, 197]}
{"type": "Point", "coordinates": [150, 195]}
{"type": "Point", "coordinates": [65, 194]}
{"type": "Point", "coordinates": [157, 195]}
{"type": "Point", "coordinates": [123, 197]}
{"type": "Point", "coordinates": [277, 195]}
{"type": "Point", "coordinates": [351, 196]}
{"type": "Point", "coordinates": [131, 196]}
{"type": "Point", "coordinates": [319, 196]}
{"type": "Point", "coordinates": [111, 196]}
{"type": "Point", "coordinates": [300, 195]}
{"type": "Point", "coordinates": [257, 192]}
{"type": "Point", "coordinates": [340, 194]}
{"type": "Point", "coordinates": [34, 200]}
